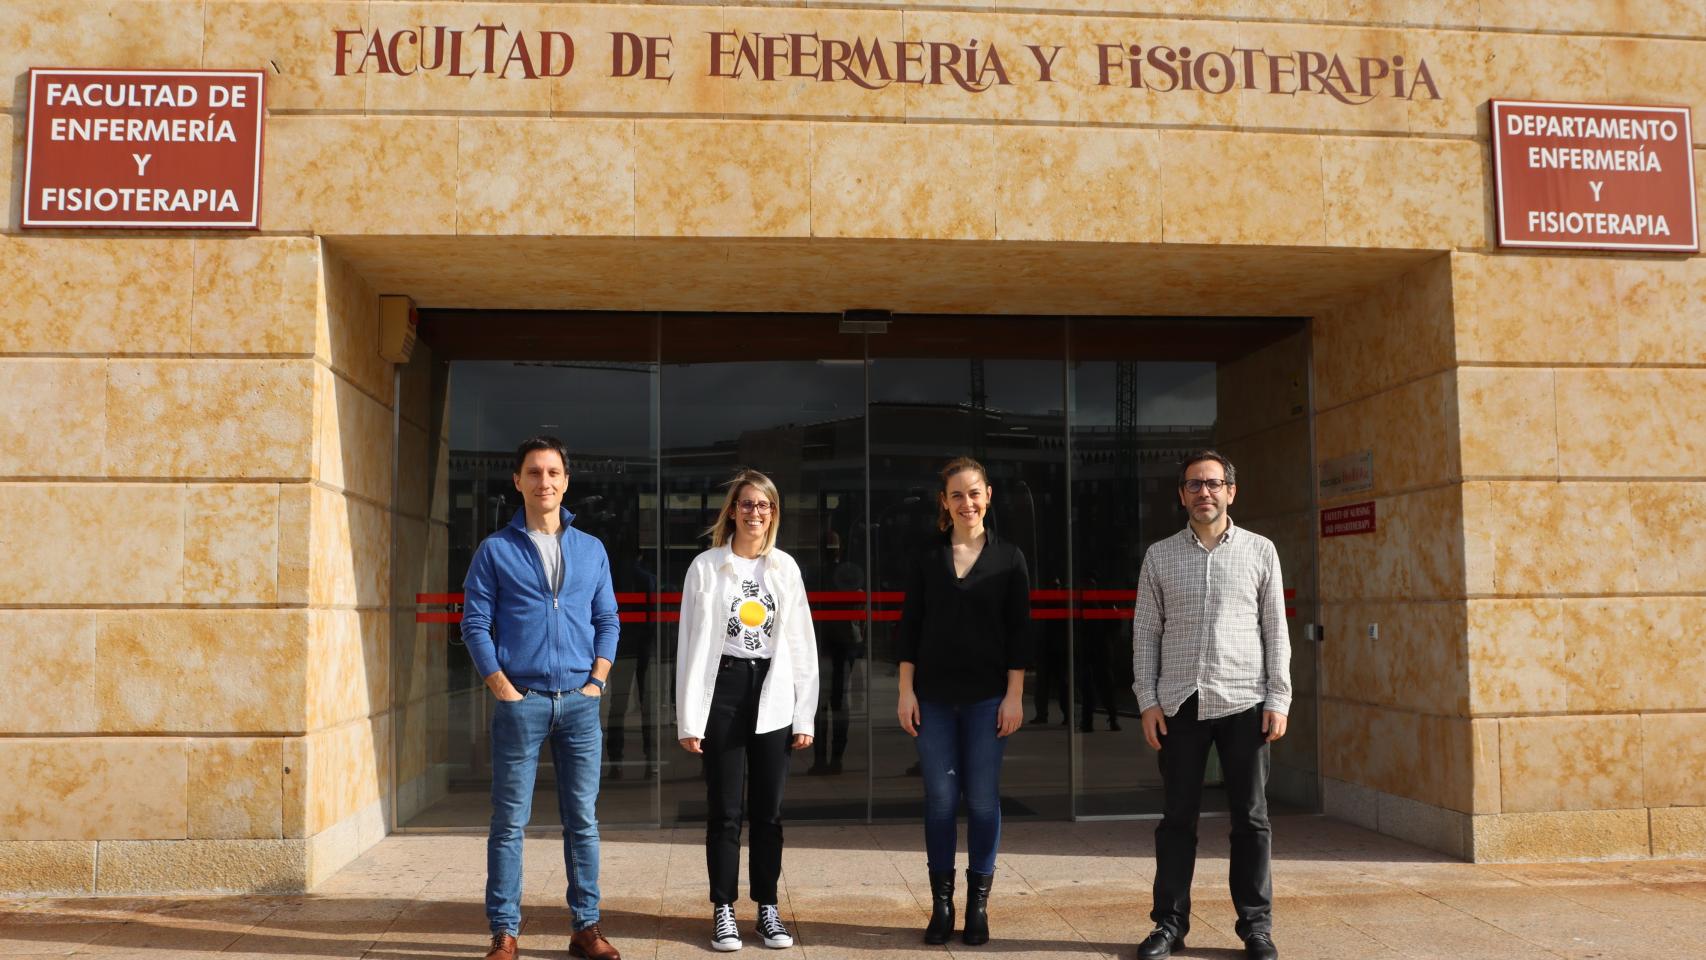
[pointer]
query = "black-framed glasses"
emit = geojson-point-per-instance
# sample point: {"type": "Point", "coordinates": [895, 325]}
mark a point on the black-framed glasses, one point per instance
{"type": "Point", "coordinates": [755, 506]}
{"type": "Point", "coordinates": [1213, 485]}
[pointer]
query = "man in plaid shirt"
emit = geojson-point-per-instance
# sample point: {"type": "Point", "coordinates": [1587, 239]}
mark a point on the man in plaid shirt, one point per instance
{"type": "Point", "coordinates": [1212, 663]}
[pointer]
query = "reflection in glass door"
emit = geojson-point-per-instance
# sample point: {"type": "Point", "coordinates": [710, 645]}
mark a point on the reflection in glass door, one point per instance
{"type": "Point", "coordinates": [1079, 420]}
{"type": "Point", "coordinates": [784, 395]}
{"type": "Point", "coordinates": [612, 493]}
{"type": "Point", "coordinates": [992, 388]}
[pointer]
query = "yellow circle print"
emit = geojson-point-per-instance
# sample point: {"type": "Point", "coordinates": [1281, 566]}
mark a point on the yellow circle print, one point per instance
{"type": "Point", "coordinates": [752, 613]}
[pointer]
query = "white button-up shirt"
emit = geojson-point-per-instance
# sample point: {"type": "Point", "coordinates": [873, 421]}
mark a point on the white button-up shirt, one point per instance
{"type": "Point", "coordinates": [1211, 622]}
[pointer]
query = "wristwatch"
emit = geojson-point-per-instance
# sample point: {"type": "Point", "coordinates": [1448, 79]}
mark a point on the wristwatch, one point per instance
{"type": "Point", "coordinates": [595, 682]}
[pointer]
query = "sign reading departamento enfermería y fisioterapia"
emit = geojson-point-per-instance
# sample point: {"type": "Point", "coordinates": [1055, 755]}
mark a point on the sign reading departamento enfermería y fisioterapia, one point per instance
{"type": "Point", "coordinates": [144, 148]}
{"type": "Point", "coordinates": [1594, 176]}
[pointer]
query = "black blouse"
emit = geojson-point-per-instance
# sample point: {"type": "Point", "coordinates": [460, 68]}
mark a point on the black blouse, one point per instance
{"type": "Point", "coordinates": [963, 635]}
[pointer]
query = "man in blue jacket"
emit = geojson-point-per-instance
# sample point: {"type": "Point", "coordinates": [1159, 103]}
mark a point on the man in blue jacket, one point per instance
{"type": "Point", "coordinates": [539, 619]}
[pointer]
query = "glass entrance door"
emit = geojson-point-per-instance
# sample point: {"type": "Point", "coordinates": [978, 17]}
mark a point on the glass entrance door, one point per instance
{"type": "Point", "coordinates": [1077, 420]}
{"type": "Point", "coordinates": [993, 388]}
{"type": "Point", "coordinates": [786, 396]}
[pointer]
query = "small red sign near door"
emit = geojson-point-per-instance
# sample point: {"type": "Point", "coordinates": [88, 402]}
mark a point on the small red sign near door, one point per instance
{"type": "Point", "coordinates": [1347, 520]}
{"type": "Point", "coordinates": [144, 148]}
{"type": "Point", "coordinates": [1592, 176]}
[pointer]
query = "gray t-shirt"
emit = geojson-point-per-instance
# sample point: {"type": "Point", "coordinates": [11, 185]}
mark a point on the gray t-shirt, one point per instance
{"type": "Point", "coordinates": [551, 554]}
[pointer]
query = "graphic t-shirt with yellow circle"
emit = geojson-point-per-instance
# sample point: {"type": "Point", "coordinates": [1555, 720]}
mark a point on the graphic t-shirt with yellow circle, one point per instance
{"type": "Point", "coordinates": [752, 612]}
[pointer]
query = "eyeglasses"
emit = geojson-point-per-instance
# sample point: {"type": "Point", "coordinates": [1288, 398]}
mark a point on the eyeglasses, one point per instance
{"type": "Point", "coordinates": [1214, 486]}
{"type": "Point", "coordinates": [755, 506]}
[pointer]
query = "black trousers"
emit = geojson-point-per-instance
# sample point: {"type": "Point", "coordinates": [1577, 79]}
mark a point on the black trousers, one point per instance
{"type": "Point", "coordinates": [744, 776]}
{"type": "Point", "coordinates": [1244, 761]}
{"type": "Point", "coordinates": [832, 698]}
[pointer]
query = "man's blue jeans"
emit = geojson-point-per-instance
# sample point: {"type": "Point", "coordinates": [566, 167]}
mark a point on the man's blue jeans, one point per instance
{"type": "Point", "coordinates": [960, 755]}
{"type": "Point", "coordinates": [570, 722]}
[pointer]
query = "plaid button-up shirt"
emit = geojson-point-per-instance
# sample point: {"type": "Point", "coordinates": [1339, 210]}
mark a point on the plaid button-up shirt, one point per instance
{"type": "Point", "coordinates": [1211, 622]}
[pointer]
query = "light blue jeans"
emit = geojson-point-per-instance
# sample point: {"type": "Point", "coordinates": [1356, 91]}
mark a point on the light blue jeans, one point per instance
{"type": "Point", "coordinates": [569, 721]}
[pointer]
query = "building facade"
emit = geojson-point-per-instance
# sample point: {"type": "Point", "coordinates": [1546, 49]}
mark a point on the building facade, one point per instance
{"type": "Point", "coordinates": [1099, 233]}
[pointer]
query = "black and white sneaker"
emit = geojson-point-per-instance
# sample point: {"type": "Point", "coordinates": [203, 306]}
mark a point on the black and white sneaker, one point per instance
{"type": "Point", "coordinates": [725, 936]}
{"type": "Point", "coordinates": [770, 927]}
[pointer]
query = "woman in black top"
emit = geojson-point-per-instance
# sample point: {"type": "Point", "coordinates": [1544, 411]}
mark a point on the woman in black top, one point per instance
{"type": "Point", "coordinates": [964, 646]}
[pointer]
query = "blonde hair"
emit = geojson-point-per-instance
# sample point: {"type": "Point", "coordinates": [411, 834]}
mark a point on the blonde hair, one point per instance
{"type": "Point", "coordinates": [958, 465]}
{"type": "Point", "coordinates": [722, 531]}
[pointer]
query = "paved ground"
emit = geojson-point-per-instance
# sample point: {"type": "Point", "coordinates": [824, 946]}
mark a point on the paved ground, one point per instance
{"type": "Point", "coordinates": [1062, 891]}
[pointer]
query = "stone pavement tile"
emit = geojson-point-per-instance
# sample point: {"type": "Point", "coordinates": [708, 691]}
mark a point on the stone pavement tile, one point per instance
{"type": "Point", "coordinates": [230, 910]}
{"type": "Point", "coordinates": [894, 838]}
{"type": "Point", "coordinates": [351, 939]}
{"type": "Point", "coordinates": [1638, 903]}
{"type": "Point", "coordinates": [1579, 932]}
{"type": "Point", "coordinates": [1343, 842]}
{"type": "Point", "coordinates": [1110, 931]}
{"type": "Point", "coordinates": [860, 898]}
{"type": "Point", "coordinates": [1586, 873]}
{"type": "Point", "coordinates": [1469, 939]}
{"type": "Point", "coordinates": [454, 888]}
{"type": "Point", "coordinates": [469, 942]}
{"type": "Point", "coordinates": [375, 886]}
{"type": "Point", "coordinates": [148, 937]}
{"type": "Point", "coordinates": [50, 939]}
{"type": "Point", "coordinates": [1693, 891]}
{"type": "Point", "coordinates": [1043, 871]}
{"type": "Point", "coordinates": [1515, 904]}
{"type": "Point", "coordinates": [821, 867]}
{"type": "Point", "coordinates": [1292, 883]}
{"type": "Point", "coordinates": [1024, 916]}
{"type": "Point", "coordinates": [1330, 940]}
{"type": "Point", "coordinates": [1099, 892]}
{"type": "Point", "coordinates": [881, 931]}
{"type": "Point", "coordinates": [1397, 905]}
{"type": "Point", "coordinates": [1035, 947]}
{"type": "Point", "coordinates": [312, 912]}
{"type": "Point", "coordinates": [1425, 877]}
{"type": "Point", "coordinates": [1662, 871]}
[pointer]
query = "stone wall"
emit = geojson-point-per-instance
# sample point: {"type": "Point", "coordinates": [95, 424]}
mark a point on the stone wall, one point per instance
{"type": "Point", "coordinates": [420, 713]}
{"type": "Point", "coordinates": [159, 399]}
{"type": "Point", "coordinates": [347, 753]}
{"type": "Point", "coordinates": [1263, 428]}
{"type": "Point", "coordinates": [1582, 399]}
{"type": "Point", "coordinates": [1398, 752]}
{"type": "Point", "coordinates": [212, 676]}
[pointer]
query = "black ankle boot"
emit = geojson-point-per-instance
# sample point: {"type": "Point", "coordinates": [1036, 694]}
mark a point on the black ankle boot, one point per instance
{"type": "Point", "coordinates": [941, 907]}
{"type": "Point", "coordinates": [977, 908]}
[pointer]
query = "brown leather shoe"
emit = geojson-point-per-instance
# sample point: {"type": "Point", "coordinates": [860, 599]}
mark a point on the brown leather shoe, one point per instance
{"type": "Point", "coordinates": [503, 947]}
{"type": "Point", "coordinates": [589, 942]}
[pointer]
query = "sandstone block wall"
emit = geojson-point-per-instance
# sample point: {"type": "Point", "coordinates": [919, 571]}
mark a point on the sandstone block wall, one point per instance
{"type": "Point", "coordinates": [196, 436]}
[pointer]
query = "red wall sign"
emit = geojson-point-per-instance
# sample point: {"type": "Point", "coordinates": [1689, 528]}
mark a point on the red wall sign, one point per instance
{"type": "Point", "coordinates": [144, 148]}
{"type": "Point", "coordinates": [1347, 520]}
{"type": "Point", "coordinates": [1594, 176]}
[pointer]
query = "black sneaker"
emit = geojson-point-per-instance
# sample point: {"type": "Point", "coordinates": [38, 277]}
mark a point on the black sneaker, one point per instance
{"type": "Point", "coordinates": [770, 928]}
{"type": "Point", "coordinates": [725, 936]}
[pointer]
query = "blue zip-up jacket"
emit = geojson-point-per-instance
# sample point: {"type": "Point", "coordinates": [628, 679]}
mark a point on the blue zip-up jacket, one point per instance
{"type": "Point", "coordinates": [512, 622]}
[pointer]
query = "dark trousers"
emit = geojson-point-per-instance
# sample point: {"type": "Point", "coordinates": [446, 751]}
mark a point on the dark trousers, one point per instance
{"type": "Point", "coordinates": [832, 699]}
{"type": "Point", "coordinates": [1244, 762]}
{"type": "Point", "coordinates": [744, 776]}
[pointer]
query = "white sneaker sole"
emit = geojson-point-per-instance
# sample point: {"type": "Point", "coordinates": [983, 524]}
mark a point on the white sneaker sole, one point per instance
{"type": "Point", "coordinates": [726, 946]}
{"type": "Point", "coordinates": [778, 943]}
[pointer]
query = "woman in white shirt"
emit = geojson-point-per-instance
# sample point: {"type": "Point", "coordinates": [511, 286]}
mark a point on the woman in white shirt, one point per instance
{"type": "Point", "coordinates": [745, 694]}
